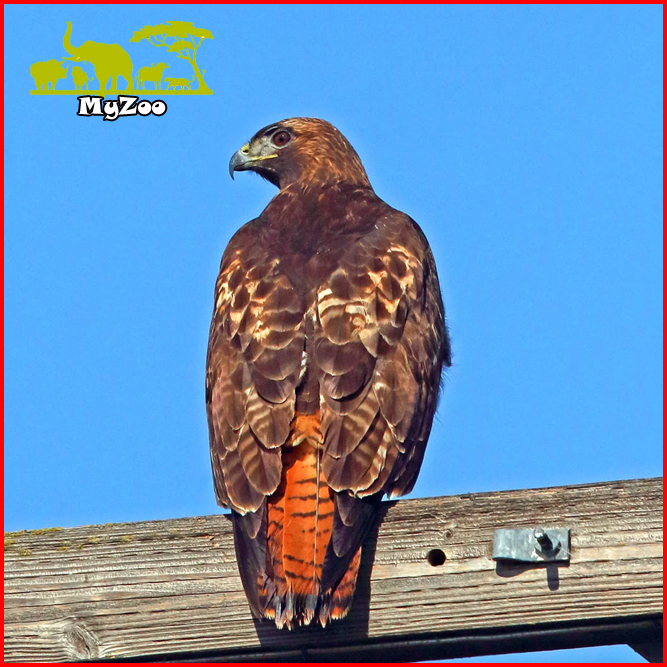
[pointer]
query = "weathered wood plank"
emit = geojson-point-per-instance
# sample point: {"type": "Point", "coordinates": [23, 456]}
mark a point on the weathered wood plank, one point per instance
{"type": "Point", "coordinates": [169, 590]}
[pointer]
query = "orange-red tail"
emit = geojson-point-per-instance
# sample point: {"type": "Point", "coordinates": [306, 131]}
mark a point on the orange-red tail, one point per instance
{"type": "Point", "coordinates": [299, 559]}
{"type": "Point", "coordinates": [300, 522]}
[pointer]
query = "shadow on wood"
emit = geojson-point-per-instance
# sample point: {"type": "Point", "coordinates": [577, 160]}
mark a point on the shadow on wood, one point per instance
{"type": "Point", "coordinates": [504, 569]}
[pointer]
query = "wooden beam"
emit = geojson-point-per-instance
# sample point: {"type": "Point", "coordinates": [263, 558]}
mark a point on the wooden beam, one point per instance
{"type": "Point", "coordinates": [169, 591]}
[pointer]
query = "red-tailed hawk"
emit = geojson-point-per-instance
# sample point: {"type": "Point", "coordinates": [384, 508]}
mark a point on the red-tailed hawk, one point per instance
{"type": "Point", "coordinates": [324, 362]}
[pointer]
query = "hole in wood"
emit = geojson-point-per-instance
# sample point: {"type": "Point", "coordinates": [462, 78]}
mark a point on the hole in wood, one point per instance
{"type": "Point", "coordinates": [436, 557]}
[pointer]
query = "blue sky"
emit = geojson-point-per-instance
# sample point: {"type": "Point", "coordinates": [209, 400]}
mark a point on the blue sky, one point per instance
{"type": "Point", "coordinates": [525, 140]}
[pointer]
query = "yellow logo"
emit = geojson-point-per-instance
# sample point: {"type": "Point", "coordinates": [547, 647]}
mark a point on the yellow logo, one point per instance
{"type": "Point", "coordinates": [108, 68]}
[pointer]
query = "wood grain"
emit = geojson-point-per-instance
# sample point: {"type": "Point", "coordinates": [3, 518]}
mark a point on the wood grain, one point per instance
{"type": "Point", "coordinates": [169, 590]}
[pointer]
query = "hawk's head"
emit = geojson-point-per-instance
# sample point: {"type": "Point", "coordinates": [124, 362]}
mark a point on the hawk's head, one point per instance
{"type": "Point", "coordinates": [300, 150]}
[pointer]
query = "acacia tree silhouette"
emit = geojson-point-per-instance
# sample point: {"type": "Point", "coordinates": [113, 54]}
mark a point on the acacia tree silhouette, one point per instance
{"type": "Point", "coordinates": [187, 40]}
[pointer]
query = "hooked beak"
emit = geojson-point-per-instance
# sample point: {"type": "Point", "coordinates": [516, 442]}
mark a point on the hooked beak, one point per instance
{"type": "Point", "coordinates": [239, 162]}
{"type": "Point", "coordinates": [242, 160]}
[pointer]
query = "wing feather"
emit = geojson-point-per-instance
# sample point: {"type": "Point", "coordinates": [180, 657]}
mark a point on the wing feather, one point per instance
{"type": "Point", "coordinates": [262, 466]}
{"type": "Point", "coordinates": [270, 422]}
{"type": "Point", "coordinates": [239, 490]}
{"type": "Point", "coordinates": [256, 346]}
{"type": "Point", "coordinates": [344, 432]}
{"type": "Point", "coordinates": [379, 349]}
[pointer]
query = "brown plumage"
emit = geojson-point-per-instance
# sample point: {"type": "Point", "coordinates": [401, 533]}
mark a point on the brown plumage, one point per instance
{"type": "Point", "coordinates": [324, 362]}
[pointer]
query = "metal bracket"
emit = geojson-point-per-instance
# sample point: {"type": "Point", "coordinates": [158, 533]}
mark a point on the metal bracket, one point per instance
{"type": "Point", "coordinates": [532, 545]}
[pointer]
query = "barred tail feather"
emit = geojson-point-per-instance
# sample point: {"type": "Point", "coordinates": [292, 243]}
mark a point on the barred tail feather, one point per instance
{"type": "Point", "coordinates": [299, 554]}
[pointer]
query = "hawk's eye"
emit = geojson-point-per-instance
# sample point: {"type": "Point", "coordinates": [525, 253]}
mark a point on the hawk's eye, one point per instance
{"type": "Point", "coordinates": [281, 138]}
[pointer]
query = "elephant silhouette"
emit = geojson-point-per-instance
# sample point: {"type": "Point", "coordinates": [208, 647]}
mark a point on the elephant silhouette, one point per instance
{"type": "Point", "coordinates": [109, 60]}
{"type": "Point", "coordinates": [153, 73]}
{"type": "Point", "coordinates": [47, 73]}
{"type": "Point", "coordinates": [80, 77]}
{"type": "Point", "coordinates": [182, 82]}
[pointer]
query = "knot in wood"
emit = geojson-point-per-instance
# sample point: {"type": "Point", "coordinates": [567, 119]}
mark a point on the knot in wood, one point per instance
{"type": "Point", "coordinates": [79, 641]}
